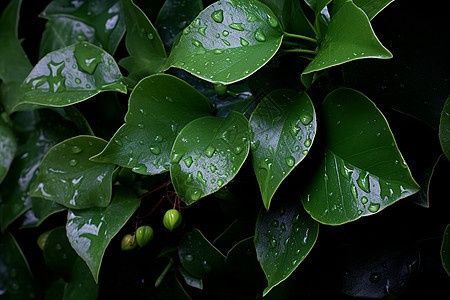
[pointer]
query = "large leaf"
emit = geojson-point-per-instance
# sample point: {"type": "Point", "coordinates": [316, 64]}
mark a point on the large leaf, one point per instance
{"type": "Point", "coordinates": [362, 170]}
{"type": "Point", "coordinates": [372, 7]}
{"type": "Point", "coordinates": [91, 230]}
{"type": "Point", "coordinates": [207, 154]}
{"type": "Point", "coordinates": [99, 22]}
{"type": "Point", "coordinates": [228, 41]}
{"type": "Point", "coordinates": [197, 255]}
{"type": "Point", "coordinates": [68, 177]}
{"type": "Point", "coordinates": [444, 129]}
{"type": "Point", "coordinates": [159, 107]}
{"type": "Point", "coordinates": [8, 147]}
{"type": "Point", "coordinates": [284, 127]}
{"type": "Point", "coordinates": [71, 75]}
{"type": "Point", "coordinates": [349, 37]}
{"type": "Point", "coordinates": [445, 250]}
{"type": "Point", "coordinates": [283, 238]}
{"type": "Point", "coordinates": [147, 53]}
{"type": "Point", "coordinates": [80, 277]}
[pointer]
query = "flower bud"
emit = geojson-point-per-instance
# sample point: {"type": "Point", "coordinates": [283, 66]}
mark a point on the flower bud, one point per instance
{"type": "Point", "coordinates": [42, 239]}
{"type": "Point", "coordinates": [172, 219]}
{"type": "Point", "coordinates": [128, 242]}
{"type": "Point", "coordinates": [144, 235]}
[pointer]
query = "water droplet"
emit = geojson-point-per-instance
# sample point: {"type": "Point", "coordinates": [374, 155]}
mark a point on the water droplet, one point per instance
{"type": "Point", "coordinates": [373, 207]}
{"type": "Point", "coordinates": [364, 200]}
{"type": "Point", "coordinates": [196, 43]}
{"type": "Point", "coordinates": [283, 227]}
{"type": "Point", "coordinates": [77, 80]}
{"type": "Point", "coordinates": [304, 152]}
{"type": "Point", "coordinates": [225, 33]}
{"type": "Point", "coordinates": [251, 18]}
{"type": "Point", "coordinates": [244, 42]}
{"type": "Point", "coordinates": [294, 262]}
{"type": "Point", "coordinates": [186, 30]}
{"type": "Point", "coordinates": [140, 125]}
{"type": "Point", "coordinates": [272, 21]}
{"type": "Point", "coordinates": [226, 42]}
{"type": "Point", "coordinates": [155, 149]}
{"type": "Point", "coordinates": [275, 223]}
{"type": "Point", "coordinates": [58, 246]}
{"type": "Point", "coordinates": [308, 142]}
{"type": "Point", "coordinates": [189, 257]}
{"type": "Point", "coordinates": [202, 30]}
{"type": "Point", "coordinates": [220, 182]}
{"type": "Point", "coordinates": [210, 151]}
{"type": "Point", "coordinates": [150, 36]}
{"type": "Point", "coordinates": [176, 157]}
{"type": "Point", "coordinates": [213, 168]}
{"type": "Point", "coordinates": [188, 161]}
{"type": "Point", "coordinates": [238, 150]}
{"type": "Point", "coordinates": [363, 182]}
{"type": "Point", "coordinates": [273, 243]}
{"type": "Point", "coordinates": [140, 168]}
{"type": "Point", "coordinates": [118, 142]}
{"type": "Point", "coordinates": [206, 267]}
{"type": "Point", "coordinates": [218, 51]}
{"type": "Point", "coordinates": [354, 192]}
{"type": "Point", "coordinates": [217, 16]}
{"type": "Point", "coordinates": [73, 162]}
{"type": "Point", "coordinates": [254, 145]}
{"type": "Point", "coordinates": [259, 35]}
{"type": "Point", "coordinates": [195, 195]}
{"type": "Point", "coordinates": [75, 150]}
{"type": "Point", "coordinates": [375, 277]}
{"type": "Point", "coordinates": [236, 26]}
{"type": "Point", "coordinates": [290, 161]}
{"type": "Point", "coordinates": [306, 119]}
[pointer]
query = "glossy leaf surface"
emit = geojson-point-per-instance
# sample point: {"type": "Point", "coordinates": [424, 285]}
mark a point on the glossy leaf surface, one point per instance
{"type": "Point", "coordinates": [207, 154]}
{"type": "Point", "coordinates": [362, 170]}
{"type": "Point", "coordinates": [98, 22]}
{"type": "Point", "coordinates": [58, 254]}
{"type": "Point", "coordinates": [40, 210]}
{"type": "Point", "coordinates": [197, 255]}
{"type": "Point", "coordinates": [444, 129]}
{"type": "Point", "coordinates": [228, 41]}
{"type": "Point", "coordinates": [445, 250]}
{"type": "Point", "coordinates": [147, 53]}
{"type": "Point", "coordinates": [91, 230]}
{"type": "Point", "coordinates": [81, 277]}
{"type": "Point", "coordinates": [8, 147]}
{"type": "Point", "coordinates": [71, 75]}
{"type": "Point", "coordinates": [349, 37]}
{"type": "Point", "coordinates": [159, 107]}
{"type": "Point", "coordinates": [283, 238]}
{"type": "Point", "coordinates": [372, 7]}
{"type": "Point", "coordinates": [284, 127]}
{"type": "Point", "coordinates": [68, 177]}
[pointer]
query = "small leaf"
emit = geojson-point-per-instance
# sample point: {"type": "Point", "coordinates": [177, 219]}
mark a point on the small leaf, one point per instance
{"type": "Point", "coordinates": [444, 129]}
{"type": "Point", "coordinates": [58, 254]}
{"type": "Point", "coordinates": [317, 5]}
{"type": "Point", "coordinates": [71, 75]}
{"type": "Point", "coordinates": [81, 284]}
{"type": "Point", "coordinates": [228, 41]}
{"type": "Point", "coordinates": [91, 230]}
{"type": "Point", "coordinates": [362, 170]}
{"type": "Point", "coordinates": [197, 255]}
{"type": "Point", "coordinates": [68, 177]}
{"type": "Point", "coordinates": [207, 154]}
{"type": "Point", "coordinates": [159, 107]}
{"type": "Point", "coordinates": [445, 250]}
{"type": "Point", "coordinates": [40, 210]}
{"type": "Point", "coordinates": [283, 238]}
{"type": "Point", "coordinates": [372, 7]}
{"type": "Point", "coordinates": [349, 37]}
{"type": "Point", "coordinates": [8, 148]}
{"type": "Point", "coordinates": [284, 127]}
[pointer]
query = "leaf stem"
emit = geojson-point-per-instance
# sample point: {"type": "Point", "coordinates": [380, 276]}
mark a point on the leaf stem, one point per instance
{"type": "Point", "coordinates": [307, 51]}
{"type": "Point", "coordinates": [163, 274]}
{"type": "Point", "coordinates": [303, 37]}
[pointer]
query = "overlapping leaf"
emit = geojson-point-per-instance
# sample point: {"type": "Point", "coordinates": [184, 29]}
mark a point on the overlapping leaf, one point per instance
{"type": "Point", "coordinates": [444, 129]}
{"type": "Point", "coordinates": [445, 250]}
{"type": "Point", "coordinates": [8, 147]}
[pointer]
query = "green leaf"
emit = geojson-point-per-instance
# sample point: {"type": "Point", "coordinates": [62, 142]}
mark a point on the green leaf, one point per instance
{"type": "Point", "coordinates": [40, 210]}
{"type": "Point", "coordinates": [228, 41]}
{"type": "Point", "coordinates": [16, 280]}
{"type": "Point", "coordinates": [207, 154]}
{"type": "Point", "coordinates": [147, 53]}
{"type": "Point", "coordinates": [317, 5]}
{"type": "Point", "coordinates": [97, 22]}
{"type": "Point", "coordinates": [197, 255]}
{"type": "Point", "coordinates": [174, 16]}
{"type": "Point", "coordinates": [284, 127]}
{"type": "Point", "coordinates": [81, 284]}
{"type": "Point", "coordinates": [91, 230]}
{"type": "Point", "coordinates": [71, 75]}
{"type": "Point", "coordinates": [362, 170]}
{"type": "Point", "coordinates": [372, 7]}
{"type": "Point", "coordinates": [58, 254]}
{"type": "Point", "coordinates": [445, 250]}
{"type": "Point", "coordinates": [283, 238]}
{"type": "Point", "coordinates": [159, 107]}
{"type": "Point", "coordinates": [8, 148]}
{"type": "Point", "coordinates": [68, 177]}
{"type": "Point", "coordinates": [349, 37]}
{"type": "Point", "coordinates": [444, 129]}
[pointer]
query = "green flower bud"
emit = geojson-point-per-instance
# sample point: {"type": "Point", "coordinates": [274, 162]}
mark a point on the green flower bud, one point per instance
{"type": "Point", "coordinates": [144, 235]}
{"type": "Point", "coordinates": [42, 239]}
{"type": "Point", "coordinates": [128, 242]}
{"type": "Point", "coordinates": [221, 90]}
{"type": "Point", "coordinates": [172, 219]}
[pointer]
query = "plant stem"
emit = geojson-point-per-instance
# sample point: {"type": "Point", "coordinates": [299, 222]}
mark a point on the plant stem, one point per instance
{"type": "Point", "coordinates": [298, 51]}
{"type": "Point", "coordinates": [303, 37]}
{"type": "Point", "coordinates": [163, 274]}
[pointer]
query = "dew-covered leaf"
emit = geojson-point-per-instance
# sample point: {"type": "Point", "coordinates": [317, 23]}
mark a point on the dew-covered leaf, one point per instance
{"type": "Point", "coordinates": [147, 53]}
{"type": "Point", "coordinates": [284, 127]}
{"type": "Point", "coordinates": [349, 37]}
{"type": "Point", "coordinates": [362, 170]}
{"type": "Point", "coordinates": [283, 238]}
{"type": "Point", "coordinates": [8, 147]}
{"type": "Point", "coordinates": [445, 250]}
{"type": "Point", "coordinates": [197, 255]}
{"type": "Point", "coordinates": [444, 129]}
{"type": "Point", "coordinates": [68, 177]}
{"type": "Point", "coordinates": [91, 230]}
{"type": "Point", "coordinates": [71, 75]}
{"type": "Point", "coordinates": [228, 41]}
{"type": "Point", "coordinates": [159, 107]}
{"type": "Point", "coordinates": [207, 154]}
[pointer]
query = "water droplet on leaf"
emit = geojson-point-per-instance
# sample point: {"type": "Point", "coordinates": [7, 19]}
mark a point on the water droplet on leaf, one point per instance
{"type": "Point", "coordinates": [217, 16]}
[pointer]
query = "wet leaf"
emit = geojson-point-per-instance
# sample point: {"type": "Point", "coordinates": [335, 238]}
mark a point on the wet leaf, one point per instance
{"type": "Point", "coordinates": [8, 148]}
{"type": "Point", "coordinates": [228, 41]}
{"type": "Point", "coordinates": [159, 107]}
{"type": "Point", "coordinates": [372, 7]}
{"type": "Point", "coordinates": [147, 53]}
{"type": "Point", "coordinates": [284, 127]}
{"type": "Point", "coordinates": [362, 170]}
{"type": "Point", "coordinates": [91, 230]}
{"type": "Point", "coordinates": [283, 238]}
{"type": "Point", "coordinates": [317, 5]}
{"type": "Point", "coordinates": [444, 129]}
{"type": "Point", "coordinates": [445, 250]}
{"type": "Point", "coordinates": [68, 177]}
{"type": "Point", "coordinates": [71, 75]}
{"type": "Point", "coordinates": [197, 255]}
{"type": "Point", "coordinates": [81, 284]}
{"type": "Point", "coordinates": [40, 210]}
{"type": "Point", "coordinates": [349, 37]}
{"type": "Point", "coordinates": [58, 254]}
{"type": "Point", "coordinates": [207, 154]}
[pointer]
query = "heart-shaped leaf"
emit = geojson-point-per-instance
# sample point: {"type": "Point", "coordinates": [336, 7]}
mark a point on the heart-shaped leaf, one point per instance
{"type": "Point", "coordinates": [68, 177]}
{"type": "Point", "coordinates": [284, 127]}
{"type": "Point", "coordinates": [362, 170]}
{"type": "Point", "coordinates": [444, 129]}
{"type": "Point", "coordinates": [349, 37]}
{"type": "Point", "coordinates": [71, 75]}
{"type": "Point", "coordinates": [283, 238]}
{"type": "Point", "coordinates": [159, 107]}
{"type": "Point", "coordinates": [207, 154]}
{"type": "Point", "coordinates": [91, 230]}
{"type": "Point", "coordinates": [197, 255]}
{"type": "Point", "coordinates": [228, 41]}
{"type": "Point", "coordinates": [147, 53]}
{"type": "Point", "coordinates": [8, 147]}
